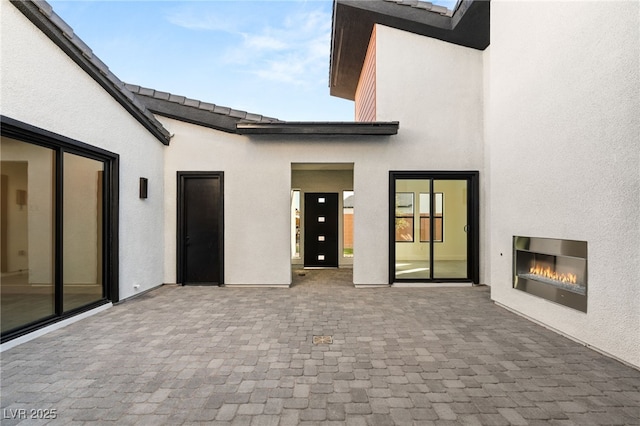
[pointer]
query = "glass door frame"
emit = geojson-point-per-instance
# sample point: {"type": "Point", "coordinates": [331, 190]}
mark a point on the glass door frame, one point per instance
{"type": "Point", "coordinates": [60, 145]}
{"type": "Point", "coordinates": [473, 220]}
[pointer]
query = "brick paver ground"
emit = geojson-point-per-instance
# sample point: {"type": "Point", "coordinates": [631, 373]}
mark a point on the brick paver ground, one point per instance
{"type": "Point", "coordinates": [188, 355]}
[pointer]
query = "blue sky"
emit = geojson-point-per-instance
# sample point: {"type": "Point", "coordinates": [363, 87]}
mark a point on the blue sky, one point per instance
{"type": "Point", "coordinates": [266, 57]}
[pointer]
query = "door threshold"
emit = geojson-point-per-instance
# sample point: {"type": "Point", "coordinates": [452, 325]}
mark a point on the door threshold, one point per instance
{"type": "Point", "coordinates": [320, 267]}
{"type": "Point", "coordinates": [428, 284]}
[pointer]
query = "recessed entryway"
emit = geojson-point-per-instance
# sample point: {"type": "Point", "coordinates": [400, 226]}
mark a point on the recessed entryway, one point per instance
{"type": "Point", "coordinates": [322, 215]}
{"type": "Point", "coordinates": [329, 277]}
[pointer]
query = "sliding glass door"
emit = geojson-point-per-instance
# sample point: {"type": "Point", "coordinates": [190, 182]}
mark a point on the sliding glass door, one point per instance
{"type": "Point", "coordinates": [451, 256]}
{"type": "Point", "coordinates": [434, 226]}
{"type": "Point", "coordinates": [58, 225]}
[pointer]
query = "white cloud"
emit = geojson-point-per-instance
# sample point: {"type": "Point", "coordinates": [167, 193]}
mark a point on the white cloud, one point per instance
{"type": "Point", "coordinates": [284, 70]}
{"type": "Point", "coordinates": [192, 20]}
{"type": "Point", "coordinates": [290, 48]}
{"type": "Point", "coordinates": [267, 42]}
{"type": "Point", "coordinates": [297, 52]}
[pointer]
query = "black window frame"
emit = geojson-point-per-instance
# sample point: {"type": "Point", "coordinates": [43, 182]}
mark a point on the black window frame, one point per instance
{"type": "Point", "coordinates": [473, 214]}
{"type": "Point", "coordinates": [24, 132]}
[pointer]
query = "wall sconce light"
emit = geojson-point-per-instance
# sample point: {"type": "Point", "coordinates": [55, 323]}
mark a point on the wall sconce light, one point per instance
{"type": "Point", "coordinates": [21, 198]}
{"type": "Point", "coordinates": [144, 182]}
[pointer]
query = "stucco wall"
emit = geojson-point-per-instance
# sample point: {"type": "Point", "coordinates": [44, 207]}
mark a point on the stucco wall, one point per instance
{"type": "Point", "coordinates": [440, 129]}
{"type": "Point", "coordinates": [45, 88]}
{"type": "Point", "coordinates": [257, 191]}
{"type": "Point", "coordinates": [563, 136]}
{"type": "Point", "coordinates": [435, 90]}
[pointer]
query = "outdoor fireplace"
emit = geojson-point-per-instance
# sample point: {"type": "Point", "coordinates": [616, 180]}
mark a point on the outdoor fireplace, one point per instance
{"type": "Point", "coordinates": [553, 269]}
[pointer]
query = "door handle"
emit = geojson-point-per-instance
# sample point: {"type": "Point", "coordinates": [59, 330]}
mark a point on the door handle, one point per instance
{"type": "Point", "coordinates": [466, 228]}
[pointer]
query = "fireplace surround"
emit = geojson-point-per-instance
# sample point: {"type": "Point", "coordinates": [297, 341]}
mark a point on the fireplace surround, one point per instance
{"type": "Point", "coordinates": [551, 268]}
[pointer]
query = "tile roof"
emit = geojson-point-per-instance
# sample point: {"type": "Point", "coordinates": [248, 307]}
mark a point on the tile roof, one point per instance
{"type": "Point", "coordinates": [245, 123]}
{"type": "Point", "coordinates": [195, 111]}
{"type": "Point", "coordinates": [205, 106]}
{"type": "Point", "coordinates": [41, 14]}
{"type": "Point", "coordinates": [143, 103]}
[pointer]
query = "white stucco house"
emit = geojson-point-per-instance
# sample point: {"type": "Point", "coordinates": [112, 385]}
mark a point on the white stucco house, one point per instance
{"type": "Point", "coordinates": [495, 144]}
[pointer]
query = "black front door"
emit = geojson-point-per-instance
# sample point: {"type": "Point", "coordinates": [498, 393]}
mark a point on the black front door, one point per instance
{"type": "Point", "coordinates": [321, 230]}
{"type": "Point", "coordinates": [200, 228]}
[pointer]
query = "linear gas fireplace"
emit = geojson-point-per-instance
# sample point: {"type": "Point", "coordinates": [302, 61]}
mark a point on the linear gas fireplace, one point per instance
{"type": "Point", "coordinates": [553, 269]}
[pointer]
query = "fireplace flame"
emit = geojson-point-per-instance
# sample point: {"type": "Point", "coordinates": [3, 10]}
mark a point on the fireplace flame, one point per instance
{"type": "Point", "coordinates": [547, 272]}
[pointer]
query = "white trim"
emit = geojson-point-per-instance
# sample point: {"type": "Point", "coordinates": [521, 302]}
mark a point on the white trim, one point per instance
{"type": "Point", "coordinates": [53, 327]}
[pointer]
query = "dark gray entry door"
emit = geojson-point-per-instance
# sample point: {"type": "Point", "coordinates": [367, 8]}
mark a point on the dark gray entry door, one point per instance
{"type": "Point", "coordinates": [321, 230]}
{"type": "Point", "coordinates": [200, 239]}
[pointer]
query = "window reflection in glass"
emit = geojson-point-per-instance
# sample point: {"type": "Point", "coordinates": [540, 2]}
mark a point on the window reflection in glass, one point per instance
{"type": "Point", "coordinates": [450, 257]}
{"type": "Point", "coordinates": [426, 215]}
{"type": "Point", "coordinates": [412, 255]}
{"type": "Point", "coordinates": [26, 234]}
{"type": "Point", "coordinates": [404, 216]}
{"type": "Point", "coordinates": [82, 231]}
{"type": "Point", "coordinates": [347, 223]}
{"type": "Point", "coordinates": [295, 224]}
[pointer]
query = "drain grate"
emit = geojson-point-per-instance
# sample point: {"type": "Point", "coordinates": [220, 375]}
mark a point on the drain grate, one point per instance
{"type": "Point", "coordinates": [322, 340]}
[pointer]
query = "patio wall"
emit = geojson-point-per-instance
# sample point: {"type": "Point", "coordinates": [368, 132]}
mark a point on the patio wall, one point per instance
{"type": "Point", "coordinates": [48, 90]}
{"type": "Point", "coordinates": [435, 90]}
{"type": "Point", "coordinates": [563, 124]}
{"type": "Point", "coordinates": [438, 104]}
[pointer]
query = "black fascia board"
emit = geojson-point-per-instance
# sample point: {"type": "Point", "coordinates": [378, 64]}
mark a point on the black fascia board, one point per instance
{"type": "Point", "coordinates": [353, 22]}
{"type": "Point", "coordinates": [310, 128]}
{"type": "Point", "coordinates": [109, 82]}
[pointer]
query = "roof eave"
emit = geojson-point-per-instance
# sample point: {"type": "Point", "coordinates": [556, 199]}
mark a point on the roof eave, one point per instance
{"type": "Point", "coordinates": [387, 128]}
{"type": "Point", "coordinates": [41, 14]}
{"type": "Point", "coordinates": [353, 22]}
{"type": "Point", "coordinates": [194, 111]}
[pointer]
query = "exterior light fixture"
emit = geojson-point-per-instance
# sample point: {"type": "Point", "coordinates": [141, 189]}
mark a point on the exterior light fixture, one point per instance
{"type": "Point", "coordinates": [144, 183]}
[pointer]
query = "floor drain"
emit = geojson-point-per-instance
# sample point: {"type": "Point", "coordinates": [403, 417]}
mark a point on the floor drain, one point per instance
{"type": "Point", "coordinates": [322, 340]}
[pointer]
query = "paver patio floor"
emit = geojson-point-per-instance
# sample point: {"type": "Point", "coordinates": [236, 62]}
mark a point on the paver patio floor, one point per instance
{"type": "Point", "coordinates": [188, 355]}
